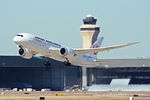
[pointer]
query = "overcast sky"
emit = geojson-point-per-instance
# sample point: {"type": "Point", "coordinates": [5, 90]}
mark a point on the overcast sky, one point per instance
{"type": "Point", "coordinates": [121, 21]}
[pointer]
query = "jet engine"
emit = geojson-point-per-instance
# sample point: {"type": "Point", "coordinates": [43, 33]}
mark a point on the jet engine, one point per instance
{"type": "Point", "coordinates": [25, 53]}
{"type": "Point", "coordinates": [66, 52]}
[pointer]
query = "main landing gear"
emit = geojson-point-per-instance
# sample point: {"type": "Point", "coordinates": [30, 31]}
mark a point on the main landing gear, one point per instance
{"type": "Point", "coordinates": [47, 63]}
{"type": "Point", "coordinates": [67, 63]}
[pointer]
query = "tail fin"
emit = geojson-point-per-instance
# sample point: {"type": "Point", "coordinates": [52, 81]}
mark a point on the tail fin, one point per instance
{"type": "Point", "coordinates": [97, 44]}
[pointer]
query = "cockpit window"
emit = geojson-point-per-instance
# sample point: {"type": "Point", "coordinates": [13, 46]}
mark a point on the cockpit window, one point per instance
{"type": "Point", "coordinates": [20, 35]}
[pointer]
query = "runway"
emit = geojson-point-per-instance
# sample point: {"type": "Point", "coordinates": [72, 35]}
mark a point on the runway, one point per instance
{"type": "Point", "coordinates": [56, 95]}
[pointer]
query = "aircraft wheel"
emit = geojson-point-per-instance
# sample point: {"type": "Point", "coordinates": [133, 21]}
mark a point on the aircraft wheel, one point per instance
{"type": "Point", "coordinates": [67, 63]}
{"type": "Point", "coordinates": [47, 63]}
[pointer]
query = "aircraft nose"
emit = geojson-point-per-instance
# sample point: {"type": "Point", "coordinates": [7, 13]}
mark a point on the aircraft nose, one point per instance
{"type": "Point", "coordinates": [15, 39]}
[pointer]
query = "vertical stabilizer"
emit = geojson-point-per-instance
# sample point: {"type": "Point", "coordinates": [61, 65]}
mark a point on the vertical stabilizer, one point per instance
{"type": "Point", "coordinates": [97, 44]}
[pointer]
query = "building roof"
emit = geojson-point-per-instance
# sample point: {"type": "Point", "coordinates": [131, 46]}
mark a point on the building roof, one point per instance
{"type": "Point", "coordinates": [17, 61]}
{"type": "Point", "coordinates": [125, 63]}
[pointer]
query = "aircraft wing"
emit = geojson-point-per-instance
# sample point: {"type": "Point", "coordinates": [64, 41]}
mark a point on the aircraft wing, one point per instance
{"type": "Point", "coordinates": [92, 50]}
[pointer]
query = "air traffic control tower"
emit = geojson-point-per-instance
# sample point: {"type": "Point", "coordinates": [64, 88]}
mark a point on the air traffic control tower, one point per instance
{"type": "Point", "coordinates": [89, 31]}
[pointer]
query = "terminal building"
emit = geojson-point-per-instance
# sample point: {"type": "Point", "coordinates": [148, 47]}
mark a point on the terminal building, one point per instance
{"type": "Point", "coordinates": [17, 72]}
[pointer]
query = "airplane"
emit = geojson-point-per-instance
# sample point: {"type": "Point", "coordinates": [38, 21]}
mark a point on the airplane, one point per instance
{"type": "Point", "coordinates": [30, 45]}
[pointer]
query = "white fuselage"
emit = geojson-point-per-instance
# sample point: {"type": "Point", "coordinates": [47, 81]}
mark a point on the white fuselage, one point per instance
{"type": "Point", "coordinates": [42, 46]}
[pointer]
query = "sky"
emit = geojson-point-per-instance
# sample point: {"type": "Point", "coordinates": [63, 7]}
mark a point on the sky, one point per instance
{"type": "Point", "coordinates": [121, 21]}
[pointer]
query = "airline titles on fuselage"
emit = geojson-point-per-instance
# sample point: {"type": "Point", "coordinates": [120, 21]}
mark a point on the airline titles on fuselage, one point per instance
{"type": "Point", "coordinates": [47, 41]}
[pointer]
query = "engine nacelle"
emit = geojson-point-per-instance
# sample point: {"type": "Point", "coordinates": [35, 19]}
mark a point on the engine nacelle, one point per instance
{"type": "Point", "coordinates": [66, 52]}
{"type": "Point", "coordinates": [25, 53]}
